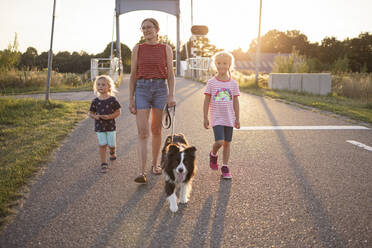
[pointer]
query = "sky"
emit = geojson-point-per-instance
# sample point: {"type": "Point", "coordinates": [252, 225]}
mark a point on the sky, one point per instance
{"type": "Point", "coordinates": [87, 25]}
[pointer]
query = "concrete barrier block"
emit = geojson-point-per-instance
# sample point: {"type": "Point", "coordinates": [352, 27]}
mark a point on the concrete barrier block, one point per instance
{"type": "Point", "coordinates": [310, 83]}
{"type": "Point", "coordinates": [314, 83]}
{"type": "Point", "coordinates": [325, 83]}
{"type": "Point", "coordinates": [295, 82]}
{"type": "Point", "coordinates": [270, 84]}
{"type": "Point", "coordinates": [279, 81]}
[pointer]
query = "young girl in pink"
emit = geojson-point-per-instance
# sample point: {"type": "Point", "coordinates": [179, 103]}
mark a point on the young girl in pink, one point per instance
{"type": "Point", "coordinates": [221, 102]}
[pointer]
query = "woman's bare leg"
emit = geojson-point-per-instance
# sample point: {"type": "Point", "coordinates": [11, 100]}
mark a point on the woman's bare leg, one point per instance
{"type": "Point", "coordinates": [156, 127]}
{"type": "Point", "coordinates": [142, 119]}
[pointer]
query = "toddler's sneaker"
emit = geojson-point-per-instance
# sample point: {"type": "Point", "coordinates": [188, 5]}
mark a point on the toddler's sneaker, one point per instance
{"type": "Point", "coordinates": [225, 172]}
{"type": "Point", "coordinates": [213, 161]}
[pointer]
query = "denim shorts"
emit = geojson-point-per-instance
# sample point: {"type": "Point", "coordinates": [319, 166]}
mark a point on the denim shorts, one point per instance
{"type": "Point", "coordinates": [107, 138]}
{"type": "Point", "coordinates": [151, 93]}
{"type": "Point", "coordinates": [223, 133]}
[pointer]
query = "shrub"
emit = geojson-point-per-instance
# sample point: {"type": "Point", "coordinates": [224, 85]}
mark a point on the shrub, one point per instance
{"type": "Point", "coordinates": [295, 63]}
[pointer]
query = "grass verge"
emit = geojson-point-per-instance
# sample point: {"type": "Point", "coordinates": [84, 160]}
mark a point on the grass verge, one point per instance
{"type": "Point", "coordinates": [339, 105]}
{"type": "Point", "coordinates": [37, 127]}
{"type": "Point", "coordinates": [41, 90]}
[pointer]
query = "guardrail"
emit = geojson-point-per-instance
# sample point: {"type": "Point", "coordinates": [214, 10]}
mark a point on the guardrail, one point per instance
{"type": "Point", "coordinates": [198, 68]}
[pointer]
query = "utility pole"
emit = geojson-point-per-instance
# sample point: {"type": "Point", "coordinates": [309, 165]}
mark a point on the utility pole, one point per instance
{"type": "Point", "coordinates": [192, 13]}
{"type": "Point", "coordinates": [258, 44]}
{"type": "Point", "coordinates": [50, 55]}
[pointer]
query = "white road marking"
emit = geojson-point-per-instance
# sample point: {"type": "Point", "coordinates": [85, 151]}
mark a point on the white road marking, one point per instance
{"type": "Point", "coordinates": [368, 148]}
{"type": "Point", "coordinates": [258, 128]}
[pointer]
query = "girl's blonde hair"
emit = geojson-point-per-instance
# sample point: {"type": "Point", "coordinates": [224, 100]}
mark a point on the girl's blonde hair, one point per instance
{"type": "Point", "coordinates": [223, 55]}
{"type": "Point", "coordinates": [112, 88]}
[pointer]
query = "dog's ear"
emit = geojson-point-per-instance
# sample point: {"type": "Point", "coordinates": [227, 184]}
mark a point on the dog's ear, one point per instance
{"type": "Point", "coordinates": [172, 149]}
{"type": "Point", "coordinates": [190, 150]}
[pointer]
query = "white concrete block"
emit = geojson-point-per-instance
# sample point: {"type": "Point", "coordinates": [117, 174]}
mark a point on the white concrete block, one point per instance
{"type": "Point", "coordinates": [310, 83]}
{"type": "Point", "coordinates": [279, 81]}
{"type": "Point", "coordinates": [295, 82]}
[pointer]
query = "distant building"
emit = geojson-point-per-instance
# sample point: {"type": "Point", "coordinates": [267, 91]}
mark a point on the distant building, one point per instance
{"type": "Point", "coordinates": [266, 62]}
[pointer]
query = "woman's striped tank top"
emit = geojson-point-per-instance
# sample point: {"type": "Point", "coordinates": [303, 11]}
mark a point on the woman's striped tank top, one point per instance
{"type": "Point", "coordinates": [152, 61]}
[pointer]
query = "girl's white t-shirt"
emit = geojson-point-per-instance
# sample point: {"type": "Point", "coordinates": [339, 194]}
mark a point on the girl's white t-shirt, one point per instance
{"type": "Point", "coordinates": [221, 107]}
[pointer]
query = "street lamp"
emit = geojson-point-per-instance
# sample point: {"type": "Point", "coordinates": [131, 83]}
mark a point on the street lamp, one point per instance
{"type": "Point", "coordinates": [258, 44]}
{"type": "Point", "coordinates": [50, 56]}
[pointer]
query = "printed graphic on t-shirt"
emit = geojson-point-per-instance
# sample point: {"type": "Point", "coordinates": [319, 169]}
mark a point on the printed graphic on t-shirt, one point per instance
{"type": "Point", "coordinates": [223, 95]}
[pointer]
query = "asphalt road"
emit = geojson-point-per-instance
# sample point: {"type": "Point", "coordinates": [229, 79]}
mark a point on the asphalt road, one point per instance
{"type": "Point", "coordinates": [290, 188]}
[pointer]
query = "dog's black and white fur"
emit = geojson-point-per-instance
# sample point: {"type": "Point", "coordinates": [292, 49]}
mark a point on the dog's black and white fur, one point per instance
{"type": "Point", "coordinates": [178, 163]}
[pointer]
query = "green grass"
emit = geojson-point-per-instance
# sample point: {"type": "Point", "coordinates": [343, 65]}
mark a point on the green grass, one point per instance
{"type": "Point", "coordinates": [29, 131]}
{"type": "Point", "coordinates": [354, 109]}
{"type": "Point", "coordinates": [41, 90]}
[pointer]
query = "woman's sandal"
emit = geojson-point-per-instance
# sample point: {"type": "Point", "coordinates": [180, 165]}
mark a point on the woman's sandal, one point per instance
{"type": "Point", "coordinates": [141, 179]}
{"type": "Point", "coordinates": [104, 167]}
{"type": "Point", "coordinates": [156, 169]}
{"type": "Point", "coordinates": [112, 158]}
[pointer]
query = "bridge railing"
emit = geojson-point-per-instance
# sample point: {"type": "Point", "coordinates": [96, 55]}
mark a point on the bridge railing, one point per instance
{"type": "Point", "coordinates": [198, 68]}
{"type": "Point", "coordinates": [99, 66]}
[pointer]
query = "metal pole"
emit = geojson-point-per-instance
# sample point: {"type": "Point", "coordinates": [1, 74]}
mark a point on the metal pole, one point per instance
{"type": "Point", "coordinates": [258, 44]}
{"type": "Point", "coordinates": [178, 54]}
{"type": "Point", "coordinates": [50, 56]}
{"type": "Point", "coordinates": [118, 47]}
{"type": "Point", "coordinates": [192, 13]}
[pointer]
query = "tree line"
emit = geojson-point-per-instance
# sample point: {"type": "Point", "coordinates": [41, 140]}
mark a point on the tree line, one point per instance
{"type": "Point", "coordinates": [349, 55]}
{"type": "Point", "coordinates": [75, 62]}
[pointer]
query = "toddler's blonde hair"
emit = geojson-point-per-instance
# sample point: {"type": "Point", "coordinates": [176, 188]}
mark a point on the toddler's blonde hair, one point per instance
{"type": "Point", "coordinates": [223, 55]}
{"type": "Point", "coordinates": [112, 88]}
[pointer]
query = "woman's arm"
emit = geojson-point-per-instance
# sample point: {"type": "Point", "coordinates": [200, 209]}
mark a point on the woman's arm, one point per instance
{"type": "Point", "coordinates": [132, 80]}
{"type": "Point", "coordinates": [171, 80]}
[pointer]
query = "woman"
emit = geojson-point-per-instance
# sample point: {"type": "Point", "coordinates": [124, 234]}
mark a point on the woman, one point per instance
{"type": "Point", "coordinates": [151, 67]}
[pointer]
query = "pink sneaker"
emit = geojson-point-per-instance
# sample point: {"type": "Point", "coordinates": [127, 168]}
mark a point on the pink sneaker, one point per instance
{"type": "Point", "coordinates": [213, 161]}
{"type": "Point", "coordinates": [225, 172]}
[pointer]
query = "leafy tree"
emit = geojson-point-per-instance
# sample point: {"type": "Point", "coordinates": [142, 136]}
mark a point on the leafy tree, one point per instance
{"type": "Point", "coordinates": [62, 62]}
{"type": "Point", "coordinates": [341, 65]}
{"type": "Point", "coordinates": [295, 63]}
{"type": "Point", "coordinates": [359, 51]}
{"type": "Point", "coordinates": [28, 58]}
{"type": "Point", "coordinates": [330, 50]}
{"type": "Point", "coordinates": [9, 57]}
{"type": "Point", "coordinates": [276, 41]}
{"type": "Point", "coordinates": [125, 54]}
{"type": "Point", "coordinates": [42, 60]}
{"type": "Point", "coordinates": [203, 47]}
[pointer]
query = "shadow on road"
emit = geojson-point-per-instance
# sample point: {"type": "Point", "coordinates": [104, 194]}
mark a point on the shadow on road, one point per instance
{"type": "Point", "coordinates": [126, 209]}
{"type": "Point", "coordinates": [201, 229]}
{"type": "Point", "coordinates": [167, 230]}
{"type": "Point", "coordinates": [322, 221]}
{"type": "Point", "coordinates": [219, 215]}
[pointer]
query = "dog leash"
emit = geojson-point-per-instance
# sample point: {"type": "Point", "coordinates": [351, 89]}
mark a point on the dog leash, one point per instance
{"type": "Point", "coordinates": [168, 120]}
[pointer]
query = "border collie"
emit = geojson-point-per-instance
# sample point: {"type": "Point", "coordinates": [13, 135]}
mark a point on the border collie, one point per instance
{"type": "Point", "coordinates": [178, 163]}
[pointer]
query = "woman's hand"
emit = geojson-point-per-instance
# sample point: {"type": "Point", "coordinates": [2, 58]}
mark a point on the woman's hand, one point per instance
{"type": "Point", "coordinates": [132, 107]}
{"type": "Point", "coordinates": [171, 101]}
